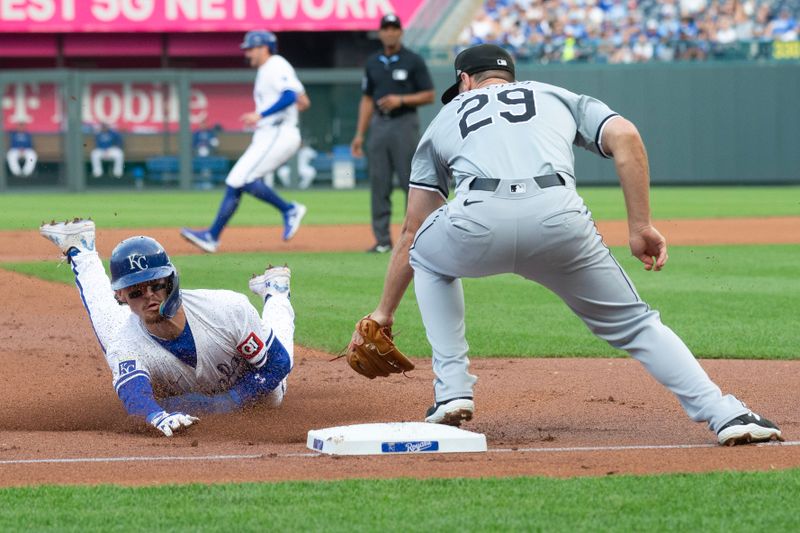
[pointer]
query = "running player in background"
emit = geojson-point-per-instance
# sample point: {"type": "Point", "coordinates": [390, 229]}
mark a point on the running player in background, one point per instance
{"type": "Point", "coordinates": [278, 96]}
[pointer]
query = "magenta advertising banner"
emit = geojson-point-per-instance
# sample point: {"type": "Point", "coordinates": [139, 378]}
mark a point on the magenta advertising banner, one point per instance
{"type": "Point", "coordinates": [72, 16]}
{"type": "Point", "coordinates": [129, 107]}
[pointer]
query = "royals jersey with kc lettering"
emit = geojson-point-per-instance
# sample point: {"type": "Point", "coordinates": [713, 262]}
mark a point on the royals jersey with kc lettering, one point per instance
{"type": "Point", "coordinates": [228, 332]}
{"type": "Point", "coordinates": [515, 113]}
{"type": "Point", "coordinates": [274, 77]}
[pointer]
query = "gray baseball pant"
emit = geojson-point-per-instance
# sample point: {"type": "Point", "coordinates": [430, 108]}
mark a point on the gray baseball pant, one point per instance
{"type": "Point", "coordinates": [390, 148]}
{"type": "Point", "coordinates": [547, 236]}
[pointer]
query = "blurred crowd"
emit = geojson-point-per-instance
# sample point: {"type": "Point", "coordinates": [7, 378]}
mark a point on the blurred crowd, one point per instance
{"type": "Point", "coordinates": [631, 31]}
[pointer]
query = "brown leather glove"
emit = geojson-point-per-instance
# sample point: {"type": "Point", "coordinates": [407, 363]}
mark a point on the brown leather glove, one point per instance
{"type": "Point", "coordinates": [372, 351]}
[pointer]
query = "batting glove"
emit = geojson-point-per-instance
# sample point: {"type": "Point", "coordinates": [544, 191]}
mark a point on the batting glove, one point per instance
{"type": "Point", "coordinates": [168, 423]}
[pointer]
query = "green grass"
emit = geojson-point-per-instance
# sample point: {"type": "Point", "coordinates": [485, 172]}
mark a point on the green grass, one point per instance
{"type": "Point", "coordinates": [702, 294]}
{"type": "Point", "coordinates": [197, 208]}
{"type": "Point", "coordinates": [724, 501]}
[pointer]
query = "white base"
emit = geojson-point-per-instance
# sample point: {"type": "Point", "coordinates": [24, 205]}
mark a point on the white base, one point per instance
{"type": "Point", "coordinates": [394, 438]}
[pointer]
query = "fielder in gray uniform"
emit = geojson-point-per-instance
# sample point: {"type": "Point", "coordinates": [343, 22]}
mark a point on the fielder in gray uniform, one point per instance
{"type": "Point", "coordinates": [508, 146]}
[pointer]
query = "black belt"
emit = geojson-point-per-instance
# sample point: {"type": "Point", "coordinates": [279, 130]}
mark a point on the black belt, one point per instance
{"type": "Point", "coordinates": [491, 184]}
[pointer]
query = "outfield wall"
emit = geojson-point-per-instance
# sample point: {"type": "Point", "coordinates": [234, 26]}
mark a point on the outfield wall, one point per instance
{"type": "Point", "coordinates": [703, 123]}
{"type": "Point", "coordinates": [712, 122]}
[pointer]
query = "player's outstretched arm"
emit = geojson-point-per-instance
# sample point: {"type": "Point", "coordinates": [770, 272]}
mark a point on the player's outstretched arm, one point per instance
{"type": "Point", "coordinates": [136, 393]}
{"type": "Point", "coordinates": [260, 381]}
{"type": "Point", "coordinates": [371, 351]}
{"type": "Point", "coordinates": [201, 404]}
{"type": "Point", "coordinates": [621, 140]}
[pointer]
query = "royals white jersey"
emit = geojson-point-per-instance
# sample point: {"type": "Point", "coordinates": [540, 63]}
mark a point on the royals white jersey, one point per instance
{"type": "Point", "coordinates": [275, 76]}
{"type": "Point", "coordinates": [228, 332]}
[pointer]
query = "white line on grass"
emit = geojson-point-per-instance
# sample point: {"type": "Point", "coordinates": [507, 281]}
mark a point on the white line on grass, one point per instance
{"type": "Point", "coordinates": [314, 454]}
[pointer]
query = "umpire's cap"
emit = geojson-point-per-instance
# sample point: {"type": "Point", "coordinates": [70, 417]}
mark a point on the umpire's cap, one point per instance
{"type": "Point", "coordinates": [256, 38]}
{"type": "Point", "coordinates": [390, 19]}
{"type": "Point", "coordinates": [478, 59]}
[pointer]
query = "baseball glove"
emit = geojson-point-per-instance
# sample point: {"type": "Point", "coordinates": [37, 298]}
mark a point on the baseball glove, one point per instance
{"type": "Point", "coordinates": [372, 351]}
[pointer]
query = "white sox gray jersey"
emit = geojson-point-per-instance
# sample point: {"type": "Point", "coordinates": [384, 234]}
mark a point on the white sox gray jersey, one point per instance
{"type": "Point", "coordinates": [509, 148]}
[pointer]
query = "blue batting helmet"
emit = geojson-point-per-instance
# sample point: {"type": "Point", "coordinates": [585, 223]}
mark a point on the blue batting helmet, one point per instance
{"type": "Point", "coordinates": [141, 259]}
{"type": "Point", "coordinates": [260, 38]}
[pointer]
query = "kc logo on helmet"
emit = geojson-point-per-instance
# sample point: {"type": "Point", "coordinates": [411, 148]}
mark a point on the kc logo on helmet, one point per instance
{"type": "Point", "coordinates": [137, 262]}
{"type": "Point", "coordinates": [251, 346]}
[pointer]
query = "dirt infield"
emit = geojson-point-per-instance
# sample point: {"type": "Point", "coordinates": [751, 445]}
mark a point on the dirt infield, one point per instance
{"type": "Point", "coordinates": [28, 246]}
{"type": "Point", "coordinates": [60, 421]}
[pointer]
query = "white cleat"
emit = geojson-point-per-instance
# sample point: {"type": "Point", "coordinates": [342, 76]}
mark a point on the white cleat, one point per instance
{"type": "Point", "coordinates": [76, 233]}
{"type": "Point", "coordinates": [274, 281]}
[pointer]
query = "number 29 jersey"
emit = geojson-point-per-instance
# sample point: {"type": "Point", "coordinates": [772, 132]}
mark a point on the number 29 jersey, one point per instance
{"type": "Point", "coordinates": [508, 131]}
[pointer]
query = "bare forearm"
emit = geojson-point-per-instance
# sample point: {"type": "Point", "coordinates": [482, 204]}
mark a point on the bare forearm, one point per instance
{"type": "Point", "coordinates": [398, 277]}
{"type": "Point", "coordinates": [630, 159]}
{"type": "Point", "coordinates": [635, 181]}
{"type": "Point", "coordinates": [364, 116]}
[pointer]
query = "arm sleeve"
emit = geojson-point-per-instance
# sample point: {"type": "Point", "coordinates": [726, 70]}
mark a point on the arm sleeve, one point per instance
{"type": "Point", "coordinates": [196, 403]}
{"type": "Point", "coordinates": [136, 394]}
{"type": "Point", "coordinates": [132, 383]}
{"type": "Point", "coordinates": [591, 116]}
{"type": "Point", "coordinates": [367, 87]}
{"type": "Point", "coordinates": [422, 77]}
{"type": "Point", "coordinates": [287, 98]}
{"type": "Point", "coordinates": [428, 171]}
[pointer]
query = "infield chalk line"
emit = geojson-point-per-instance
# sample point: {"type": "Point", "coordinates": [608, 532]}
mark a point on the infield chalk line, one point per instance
{"type": "Point", "coordinates": [134, 459]}
{"type": "Point", "coordinates": [145, 458]}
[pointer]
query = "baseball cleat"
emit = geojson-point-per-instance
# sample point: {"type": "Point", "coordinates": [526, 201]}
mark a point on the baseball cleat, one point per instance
{"type": "Point", "coordinates": [76, 233]}
{"type": "Point", "coordinates": [452, 412]}
{"type": "Point", "coordinates": [748, 428]}
{"type": "Point", "coordinates": [274, 280]}
{"type": "Point", "coordinates": [200, 238]}
{"type": "Point", "coordinates": [291, 220]}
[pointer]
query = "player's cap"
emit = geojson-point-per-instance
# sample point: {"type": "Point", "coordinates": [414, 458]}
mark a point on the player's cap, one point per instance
{"type": "Point", "coordinates": [390, 19]}
{"type": "Point", "coordinates": [478, 59]}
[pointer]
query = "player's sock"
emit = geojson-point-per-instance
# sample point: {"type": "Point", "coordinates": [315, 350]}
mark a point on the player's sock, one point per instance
{"type": "Point", "coordinates": [230, 202]}
{"type": "Point", "coordinates": [260, 190]}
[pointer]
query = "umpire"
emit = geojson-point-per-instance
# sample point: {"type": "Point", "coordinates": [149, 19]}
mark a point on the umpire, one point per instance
{"type": "Point", "coordinates": [396, 81]}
